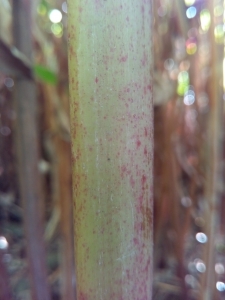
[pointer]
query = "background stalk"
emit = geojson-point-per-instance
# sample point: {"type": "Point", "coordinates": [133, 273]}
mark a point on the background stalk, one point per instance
{"type": "Point", "coordinates": [28, 156]}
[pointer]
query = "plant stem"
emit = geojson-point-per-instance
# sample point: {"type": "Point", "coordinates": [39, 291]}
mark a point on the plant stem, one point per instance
{"type": "Point", "coordinates": [110, 63]}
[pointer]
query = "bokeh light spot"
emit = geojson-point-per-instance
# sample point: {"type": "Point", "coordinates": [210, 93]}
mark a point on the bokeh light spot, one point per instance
{"type": "Point", "coordinates": [218, 10]}
{"type": "Point", "coordinates": [162, 11]}
{"type": "Point", "coordinates": [205, 19]}
{"type": "Point", "coordinates": [191, 12]}
{"type": "Point", "coordinates": [183, 83]}
{"type": "Point", "coordinates": [57, 29]}
{"type": "Point", "coordinates": [191, 47]}
{"type": "Point", "coordinates": [169, 64]}
{"type": "Point", "coordinates": [201, 237]}
{"type": "Point", "coordinates": [189, 97]}
{"type": "Point", "coordinates": [189, 2]}
{"type": "Point", "coordinates": [186, 201]}
{"type": "Point", "coordinates": [64, 7]}
{"type": "Point", "coordinates": [55, 16]}
{"type": "Point", "coordinates": [220, 286]}
{"type": "Point", "coordinates": [199, 221]}
{"type": "Point", "coordinates": [41, 9]}
{"type": "Point", "coordinates": [5, 130]}
{"type": "Point", "coordinates": [200, 266]}
{"type": "Point", "coordinates": [3, 243]}
{"type": "Point", "coordinates": [190, 280]}
{"type": "Point", "coordinates": [219, 268]}
{"type": "Point", "coordinates": [9, 82]}
{"type": "Point", "coordinates": [219, 34]}
{"type": "Point", "coordinates": [183, 77]}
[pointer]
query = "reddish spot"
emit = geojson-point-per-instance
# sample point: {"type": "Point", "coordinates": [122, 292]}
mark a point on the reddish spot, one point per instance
{"type": "Point", "coordinates": [132, 182]}
{"type": "Point", "coordinates": [123, 58]}
{"type": "Point", "coordinates": [144, 60]}
{"type": "Point", "coordinates": [98, 4]}
{"type": "Point", "coordinates": [128, 274]}
{"type": "Point", "coordinates": [135, 240]}
{"type": "Point", "coordinates": [82, 296]}
{"type": "Point", "coordinates": [146, 132]}
{"type": "Point", "coordinates": [123, 171]}
{"type": "Point", "coordinates": [138, 143]}
{"type": "Point", "coordinates": [143, 179]}
{"type": "Point", "coordinates": [96, 80]}
{"type": "Point", "coordinates": [140, 199]}
{"type": "Point", "coordinates": [145, 151]}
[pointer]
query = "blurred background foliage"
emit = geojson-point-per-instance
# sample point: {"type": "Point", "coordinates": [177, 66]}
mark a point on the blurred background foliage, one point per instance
{"type": "Point", "coordinates": [189, 194]}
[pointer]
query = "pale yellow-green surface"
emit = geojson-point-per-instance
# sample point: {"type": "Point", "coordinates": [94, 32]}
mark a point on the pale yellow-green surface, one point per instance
{"type": "Point", "coordinates": [110, 69]}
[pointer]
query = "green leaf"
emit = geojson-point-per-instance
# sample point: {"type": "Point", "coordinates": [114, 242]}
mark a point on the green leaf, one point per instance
{"type": "Point", "coordinates": [45, 75]}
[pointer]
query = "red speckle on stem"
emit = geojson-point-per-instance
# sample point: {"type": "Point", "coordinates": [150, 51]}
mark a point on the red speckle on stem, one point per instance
{"type": "Point", "coordinates": [145, 151]}
{"type": "Point", "coordinates": [123, 171]}
{"type": "Point", "coordinates": [132, 182]}
{"type": "Point", "coordinates": [135, 240]}
{"type": "Point", "coordinates": [123, 58]}
{"type": "Point", "coordinates": [140, 199]}
{"type": "Point", "coordinates": [143, 180]}
{"type": "Point", "coordinates": [144, 60]}
{"type": "Point", "coordinates": [138, 143]}
{"type": "Point", "coordinates": [146, 132]}
{"type": "Point", "coordinates": [82, 296]}
{"type": "Point", "coordinates": [96, 80]}
{"type": "Point", "coordinates": [98, 4]}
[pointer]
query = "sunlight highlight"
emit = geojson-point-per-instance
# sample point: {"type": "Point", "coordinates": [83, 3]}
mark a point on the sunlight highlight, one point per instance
{"type": "Point", "coordinates": [55, 16]}
{"type": "Point", "coordinates": [205, 19]}
{"type": "Point", "coordinates": [3, 243]}
{"type": "Point", "coordinates": [201, 237]}
{"type": "Point", "coordinates": [220, 286]}
{"type": "Point", "coordinates": [191, 12]}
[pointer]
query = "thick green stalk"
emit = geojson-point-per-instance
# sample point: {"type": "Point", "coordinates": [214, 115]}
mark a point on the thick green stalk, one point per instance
{"type": "Point", "coordinates": [110, 63]}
